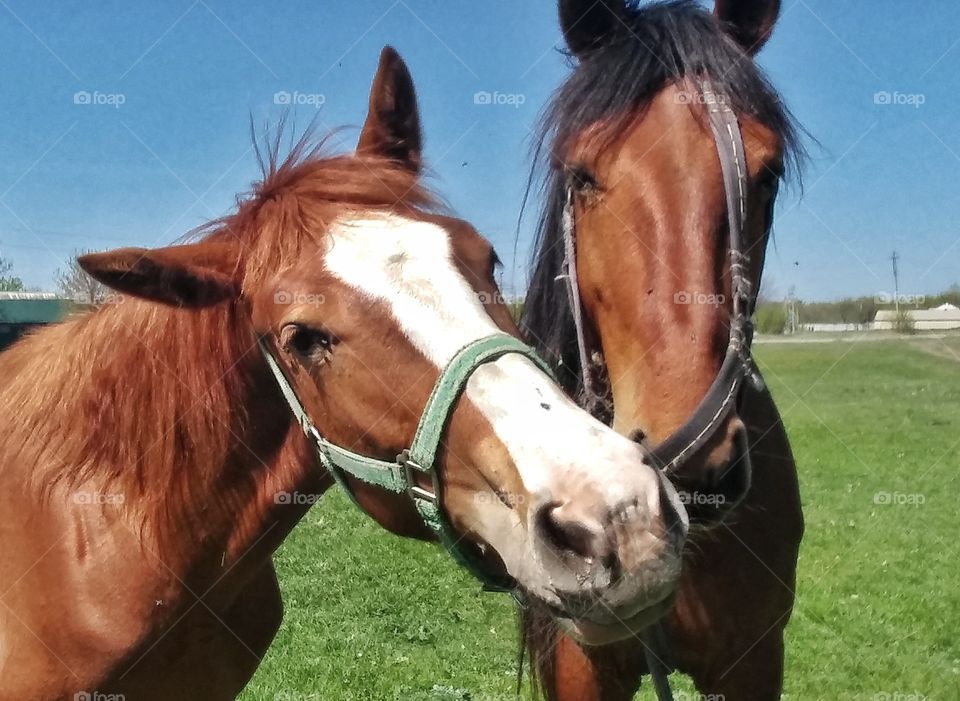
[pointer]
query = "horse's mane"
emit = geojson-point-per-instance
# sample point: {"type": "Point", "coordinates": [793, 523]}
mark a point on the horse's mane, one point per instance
{"type": "Point", "coordinates": [657, 45]}
{"type": "Point", "coordinates": [298, 197]}
{"type": "Point", "coordinates": [150, 398]}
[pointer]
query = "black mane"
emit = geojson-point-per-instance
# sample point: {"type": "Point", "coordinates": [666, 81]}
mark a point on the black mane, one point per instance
{"type": "Point", "coordinates": [659, 44]}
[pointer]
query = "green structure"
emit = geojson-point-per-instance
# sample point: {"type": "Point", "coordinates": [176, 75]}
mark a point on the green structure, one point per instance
{"type": "Point", "coordinates": [22, 311]}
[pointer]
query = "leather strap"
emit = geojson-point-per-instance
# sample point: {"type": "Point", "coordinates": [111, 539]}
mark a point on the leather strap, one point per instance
{"type": "Point", "coordinates": [590, 390]}
{"type": "Point", "coordinates": [656, 653]}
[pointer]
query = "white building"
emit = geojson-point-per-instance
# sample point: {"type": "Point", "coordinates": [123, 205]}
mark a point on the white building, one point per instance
{"type": "Point", "coordinates": [943, 318]}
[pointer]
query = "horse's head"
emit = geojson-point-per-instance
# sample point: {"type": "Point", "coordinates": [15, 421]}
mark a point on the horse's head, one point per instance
{"type": "Point", "coordinates": [363, 294]}
{"type": "Point", "coordinates": [631, 144]}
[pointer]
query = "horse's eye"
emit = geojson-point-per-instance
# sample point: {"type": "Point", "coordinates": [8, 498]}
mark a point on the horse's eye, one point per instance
{"type": "Point", "coordinates": [304, 341]}
{"type": "Point", "coordinates": [770, 184]}
{"type": "Point", "coordinates": [582, 181]}
{"type": "Point", "coordinates": [494, 264]}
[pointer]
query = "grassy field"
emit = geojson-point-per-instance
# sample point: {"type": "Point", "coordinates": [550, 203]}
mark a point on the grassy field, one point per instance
{"type": "Point", "coordinates": [876, 431]}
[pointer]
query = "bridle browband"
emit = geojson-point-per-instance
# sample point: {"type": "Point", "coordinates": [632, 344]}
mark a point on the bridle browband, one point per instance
{"type": "Point", "coordinates": [725, 392]}
{"type": "Point", "coordinates": [737, 366]}
{"type": "Point", "coordinates": [400, 476]}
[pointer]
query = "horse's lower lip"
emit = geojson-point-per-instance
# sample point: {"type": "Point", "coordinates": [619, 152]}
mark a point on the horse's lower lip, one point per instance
{"type": "Point", "coordinates": [593, 633]}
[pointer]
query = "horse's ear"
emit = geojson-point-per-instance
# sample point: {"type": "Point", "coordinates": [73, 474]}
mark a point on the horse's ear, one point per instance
{"type": "Point", "coordinates": [750, 22]}
{"type": "Point", "coordinates": [587, 24]}
{"type": "Point", "coordinates": [196, 275]}
{"type": "Point", "coordinates": [392, 128]}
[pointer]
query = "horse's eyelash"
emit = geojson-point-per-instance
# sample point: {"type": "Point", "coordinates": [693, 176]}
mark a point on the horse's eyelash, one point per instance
{"type": "Point", "coordinates": [582, 178]}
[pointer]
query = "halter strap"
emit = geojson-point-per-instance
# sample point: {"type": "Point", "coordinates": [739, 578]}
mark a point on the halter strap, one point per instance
{"type": "Point", "coordinates": [333, 458]}
{"type": "Point", "coordinates": [421, 457]}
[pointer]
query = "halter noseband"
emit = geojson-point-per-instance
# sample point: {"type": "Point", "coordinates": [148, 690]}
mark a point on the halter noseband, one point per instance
{"type": "Point", "coordinates": [421, 457]}
{"type": "Point", "coordinates": [737, 366]}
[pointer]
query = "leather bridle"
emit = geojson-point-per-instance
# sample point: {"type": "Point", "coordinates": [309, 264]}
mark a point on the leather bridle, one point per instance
{"type": "Point", "coordinates": [726, 392]}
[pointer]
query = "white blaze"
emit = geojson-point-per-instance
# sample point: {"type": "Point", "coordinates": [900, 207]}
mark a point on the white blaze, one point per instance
{"type": "Point", "coordinates": [407, 265]}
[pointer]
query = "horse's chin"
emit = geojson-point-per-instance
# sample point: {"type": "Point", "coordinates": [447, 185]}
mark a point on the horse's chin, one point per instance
{"type": "Point", "coordinates": [594, 633]}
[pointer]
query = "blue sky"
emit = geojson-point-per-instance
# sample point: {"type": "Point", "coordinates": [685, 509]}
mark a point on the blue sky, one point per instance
{"type": "Point", "coordinates": [189, 72]}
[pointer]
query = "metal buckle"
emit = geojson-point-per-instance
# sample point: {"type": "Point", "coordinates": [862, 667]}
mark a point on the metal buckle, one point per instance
{"type": "Point", "coordinates": [310, 431]}
{"type": "Point", "coordinates": [409, 468]}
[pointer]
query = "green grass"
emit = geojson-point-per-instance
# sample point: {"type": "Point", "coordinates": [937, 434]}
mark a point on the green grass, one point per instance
{"type": "Point", "coordinates": [369, 616]}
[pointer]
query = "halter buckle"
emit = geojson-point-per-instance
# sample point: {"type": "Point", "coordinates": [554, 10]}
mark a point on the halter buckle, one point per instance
{"type": "Point", "coordinates": [311, 432]}
{"type": "Point", "coordinates": [410, 467]}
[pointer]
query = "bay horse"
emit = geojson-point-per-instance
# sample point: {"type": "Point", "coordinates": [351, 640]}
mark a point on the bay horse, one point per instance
{"type": "Point", "coordinates": [157, 451]}
{"type": "Point", "coordinates": [663, 152]}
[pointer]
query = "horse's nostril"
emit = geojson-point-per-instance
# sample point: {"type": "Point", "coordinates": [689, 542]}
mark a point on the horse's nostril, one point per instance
{"type": "Point", "coordinates": [732, 478]}
{"type": "Point", "coordinates": [713, 491]}
{"type": "Point", "coordinates": [734, 481]}
{"type": "Point", "coordinates": [567, 532]}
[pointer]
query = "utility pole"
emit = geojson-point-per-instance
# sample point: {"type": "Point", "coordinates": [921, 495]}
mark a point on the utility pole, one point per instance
{"type": "Point", "coordinates": [792, 319]}
{"type": "Point", "coordinates": [896, 282]}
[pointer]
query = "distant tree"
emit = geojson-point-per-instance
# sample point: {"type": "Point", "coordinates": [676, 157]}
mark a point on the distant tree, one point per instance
{"type": "Point", "coordinates": [851, 310]}
{"type": "Point", "coordinates": [73, 282]}
{"type": "Point", "coordinates": [771, 318]}
{"type": "Point", "coordinates": [904, 323]}
{"type": "Point", "coordinates": [8, 282]}
{"type": "Point", "coordinates": [950, 296]}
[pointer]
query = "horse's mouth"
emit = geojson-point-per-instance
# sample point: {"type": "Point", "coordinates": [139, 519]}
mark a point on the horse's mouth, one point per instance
{"type": "Point", "coordinates": [612, 628]}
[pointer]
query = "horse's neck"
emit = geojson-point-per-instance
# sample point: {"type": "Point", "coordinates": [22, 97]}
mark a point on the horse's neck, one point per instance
{"type": "Point", "coordinates": [165, 420]}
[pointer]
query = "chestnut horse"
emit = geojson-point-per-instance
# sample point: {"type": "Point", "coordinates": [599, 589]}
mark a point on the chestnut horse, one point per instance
{"type": "Point", "coordinates": [648, 259]}
{"type": "Point", "coordinates": [150, 463]}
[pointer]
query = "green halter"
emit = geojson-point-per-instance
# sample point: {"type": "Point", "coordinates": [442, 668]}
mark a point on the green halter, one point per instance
{"type": "Point", "coordinates": [400, 476]}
